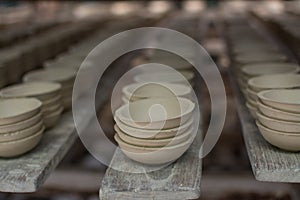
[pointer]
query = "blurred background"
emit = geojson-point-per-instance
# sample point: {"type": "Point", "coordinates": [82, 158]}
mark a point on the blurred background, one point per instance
{"type": "Point", "coordinates": [227, 173]}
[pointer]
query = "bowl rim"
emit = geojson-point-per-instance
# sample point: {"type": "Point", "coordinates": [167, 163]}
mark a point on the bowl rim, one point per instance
{"type": "Point", "coordinates": [260, 125]}
{"type": "Point", "coordinates": [9, 92]}
{"type": "Point", "coordinates": [261, 96]}
{"type": "Point", "coordinates": [261, 115]}
{"type": "Point", "coordinates": [127, 89]}
{"type": "Point", "coordinates": [119, 140]}
{"type": "Point", "coordinates": [261, 104]}
{"type": "Point", "coordinates": [185, 113]}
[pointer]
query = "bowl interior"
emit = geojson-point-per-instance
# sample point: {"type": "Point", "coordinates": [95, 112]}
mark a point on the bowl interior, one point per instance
{"type": "Point", "coordinates": [155, 110]}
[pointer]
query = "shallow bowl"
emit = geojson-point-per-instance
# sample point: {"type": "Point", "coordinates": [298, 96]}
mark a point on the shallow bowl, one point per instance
{"type": "Point", "coordinates": [13, 111]}
{"type": "Point", "coordinates": [158, 113]}
{"type": "Point", "coordinates": [19, 147]}
{"type": "Point", "coordinates": [285, 100]}
{"type": "Point", "coordinates": [155, 90]}
{"type": "Point", "coordinates": [40, 90]}
{"type": "Point", "coordinates": [154, 142]}
{"type": "Point", "coordinates": [278, 125]}
{"type": "Point", "coordinates": [285, 81]}
{"type": "Point", "coordinates": [152, 155]}
{"type": "Point", "coordinates": [153, 134]}
{"type": "Point", "coordinates": [52, 119]}
{"type": "Point", "coordinates": [282, 140]}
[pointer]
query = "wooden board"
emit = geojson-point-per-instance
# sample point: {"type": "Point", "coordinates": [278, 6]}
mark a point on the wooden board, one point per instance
{"type": "Point", "coordinates": [179, 180]}
{"type": "Point", "coordinates": [268, 162]}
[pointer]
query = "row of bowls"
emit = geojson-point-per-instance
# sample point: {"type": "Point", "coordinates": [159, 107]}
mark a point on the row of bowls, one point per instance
{"type": "Point", "coordinates": [21, 125]}
{"type": "Point", "coordinates": [267, 82]}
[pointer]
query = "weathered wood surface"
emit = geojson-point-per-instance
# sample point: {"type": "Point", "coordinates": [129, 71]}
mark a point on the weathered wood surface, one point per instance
{"type": "Point", "coordinates": [180, 180]}
{"type": "Point", "coordinates": [268, 162]}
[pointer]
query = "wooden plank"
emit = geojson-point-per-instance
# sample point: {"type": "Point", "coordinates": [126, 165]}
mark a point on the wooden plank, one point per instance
{"type": "Point", "coordinates": [180, 180]}
{"type": "Point", "coordinates": [268, 162]}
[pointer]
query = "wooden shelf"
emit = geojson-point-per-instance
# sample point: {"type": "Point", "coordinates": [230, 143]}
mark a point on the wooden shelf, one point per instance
{"type": "Point", "coordinates": [268, 162]}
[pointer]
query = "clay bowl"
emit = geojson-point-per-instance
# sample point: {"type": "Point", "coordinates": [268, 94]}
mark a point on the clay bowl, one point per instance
{"type": "Point", "coordinates": [251, 102]}
{"type": "Point", "coordinates": [158, 113]}
{"type": "Point", "coordinates": [63, 76]}
{"type": "Point", "coordinates": [165, 77]}
{"type": "Point", "coordinates": [52, 119]}
{"type": "Point", "coordinates": [261, 57]}
{"type": "Point", "coordinates": [282, 140]}
{"type": "Point", "coordinates": [53, 101]}
{"type": "Point", "coordinates": [19, 147]}
{"type": "Point", "coordinates": [49, 110]}
{"type": "Point", "coordinates": [285, 100]}
{"type": "Point", "coordinates": [21, 124]}
{"type": "Point", "coordinates": [252, 110]}
{"type": "Point", "coordinates": [153, 134]}
{"type": "Point", "coordinates": [13, 111]}
{"type": "Point", "coordinates": [40, 90]}
{"type": "Point", "coordinates": [7, 137]}
{"type": "Point", "coordinates": [155, 90]}
{"type": "Point", "coordinates": [261, 69]}
{"type": "Point", "coordinates": [278, 114]}
{"type": "Point", "coordinates": [278, 125]}
{"type": "Point", "coordinates": [286, 81]}
{"type": "Point", "coordinates": [252, 95]}
{"type": "Point", "coordinates": [153, 155]}
{"type": "Point", "coordinates": [154, 142]}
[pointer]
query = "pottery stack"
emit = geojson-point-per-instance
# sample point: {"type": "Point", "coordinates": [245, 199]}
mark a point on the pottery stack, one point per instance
{"type": "Point", "coordinates": [279, 117]}
{"type": "Point", "coordinates": [21, 125]}
{"type": "Point", "coordinates": [64, 76]}
{"type": "Point", "coordinates": [48, 93]}
{"type": "Point", "coordinates": [155, 131]}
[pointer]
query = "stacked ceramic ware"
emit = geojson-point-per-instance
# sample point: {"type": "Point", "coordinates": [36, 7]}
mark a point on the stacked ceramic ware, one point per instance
{"type": "Point", "coordinates": [279, 117]}
{"type": "Point", "coordinates": [21, 126]}
{"type": "Point", "coordinates": [48, 93]}
{"type": "Point", "coordinates": [261, 69]}
{"type": "Point", "coordinates": [65, 77]}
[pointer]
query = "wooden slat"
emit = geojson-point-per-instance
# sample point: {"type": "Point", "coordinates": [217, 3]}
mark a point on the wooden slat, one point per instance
{"type": "Point", "coordinates": [179, 180]}
{"type": "Point", "coordinates": [268, 162]}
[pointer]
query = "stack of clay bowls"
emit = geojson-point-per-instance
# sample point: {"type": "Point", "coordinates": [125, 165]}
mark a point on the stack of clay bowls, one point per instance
{"type": "Point", "coordinates": [269, 82]}
{"type": "Point", "coordinates": [261, 69]}
{"type": "Point", "coordinates": [21, 125]}
{"type": "Point", "coordinates": [48, 93]}
{"type": "Point", "coordinates": [65, 77]}
{"type": "Point", "coordinates": [139, 91]}
{"type": "Point", "coordinates": [155, 130]}
{"type": "Point", "coordinates": [279, 118]}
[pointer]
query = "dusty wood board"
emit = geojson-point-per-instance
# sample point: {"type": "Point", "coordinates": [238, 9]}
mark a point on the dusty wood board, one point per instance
{"type": "Point", "coordinates": [179, 180]}
{"type": "Point", "coordinates": [268, 162]}
{"type": "Point", "coordinates": [28, 172]}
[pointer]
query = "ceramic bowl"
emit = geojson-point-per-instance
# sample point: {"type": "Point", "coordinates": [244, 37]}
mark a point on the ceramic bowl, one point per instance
{"type": "Point", "coordinates": [40, 90]}
{"type": "Point", "coordinates": [155, 90]}
{"type": "Point", "coordinates": [158, 113]}
{"type": "Point", "coordinates": [261, 69]}
{"type": "Point", "coordinates": [153, 155]}
{"type": "Point", "coordinates": [51, 119]}
{"type": "Point", "coordinates": [286, 81]}
{"type": "Point", "coordinates": [154, 142]}
{"type": "Point", "coordinates": [278, 114]}
{"type": "Point", "coordinates": [13, 111]}
{"type": "Point", "coordinates": [282, 140]}
{"type": "Point", "coordinates": [63, 76]}
{"type": "Point", "coordinates": [21, 124]}
{"type": "Point", "coordinates": [261, 57]}
{"type": "Point", "coordinates": [252, 102]}
{"type": "Point", "coordinates": [7, 137]}
{"type": "Point", "coordinates": [252, 95]}
{"type": "Point", "coordinates": [165, 77]}
{"type": "Point", "coordinates": [153, 134]}
{"type": "Point", "coordinates": [49, 110]}
{"type": "Point", "coordinates": [252, 110]}
{"type": "Point", "coordinates": [19, 147]}
{"type": "Point", "coordinates": [53, 101]}
{"type": "Point", "coordinates": [285, 100]}
{"type": "Point", "coordinates": [278, 125]}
